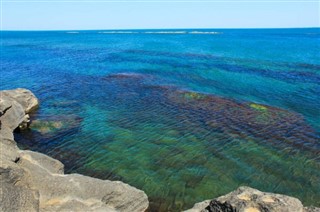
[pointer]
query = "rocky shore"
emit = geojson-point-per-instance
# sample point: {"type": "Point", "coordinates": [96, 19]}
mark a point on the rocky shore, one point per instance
{"type": "Point", "coordinates": [31, 181]}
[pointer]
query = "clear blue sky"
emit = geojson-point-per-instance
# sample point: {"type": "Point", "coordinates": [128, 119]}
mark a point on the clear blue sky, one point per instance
{"type": "Point", "coordinates": [131, 14]}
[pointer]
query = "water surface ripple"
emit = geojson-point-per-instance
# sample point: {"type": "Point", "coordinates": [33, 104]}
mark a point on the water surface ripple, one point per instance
{"type": "Point", "coordinates": [183, 116]}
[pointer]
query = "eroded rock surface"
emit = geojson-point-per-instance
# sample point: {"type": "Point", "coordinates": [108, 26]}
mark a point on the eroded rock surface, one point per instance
{"type": "Point", "coordinates": [24, 97]}
{"type": "Point", "coordinates": [31, 181]}
{"type": "Point", "coordinates": [246, 199]}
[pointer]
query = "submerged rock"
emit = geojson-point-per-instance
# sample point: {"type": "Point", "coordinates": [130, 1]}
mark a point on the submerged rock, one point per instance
{"type": "Point", "coordinates": [246, 199]}
{"type": "Point", "coordinates": [247, 119]}
{"type": "Point", "coordinates": [44, 126]}
{"type": "Point", "coordinates": [54, 124]}
{"type": "Point", "coordinates": [31, 181]}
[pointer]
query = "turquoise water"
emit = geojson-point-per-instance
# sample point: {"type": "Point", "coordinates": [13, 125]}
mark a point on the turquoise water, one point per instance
{"type": "Point", "coordinates": [185, 116]}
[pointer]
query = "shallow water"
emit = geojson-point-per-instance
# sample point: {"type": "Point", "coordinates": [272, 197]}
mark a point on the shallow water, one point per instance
{"type": "Point", "coordinates": [184, 117]}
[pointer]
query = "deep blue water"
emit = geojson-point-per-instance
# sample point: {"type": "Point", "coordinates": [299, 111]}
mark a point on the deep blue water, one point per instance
{"type": "Point", "coordinates": [185, 115]}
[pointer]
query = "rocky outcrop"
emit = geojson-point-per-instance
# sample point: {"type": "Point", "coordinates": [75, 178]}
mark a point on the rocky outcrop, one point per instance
{"type": "Point", "coordinates": [31, 181]}
{"type": "Point", "coordinates": [20, 102]}
{"type": "Point", "coordinates": [22, 96]}
{"type": "Point", "coordinates": [246, 199]}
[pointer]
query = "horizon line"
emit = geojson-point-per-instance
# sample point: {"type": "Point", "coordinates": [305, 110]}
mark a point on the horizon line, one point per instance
{"type": "Point", "coordinates": [191, 28]}
{"type": "Point", "coordinates": [159, 1]}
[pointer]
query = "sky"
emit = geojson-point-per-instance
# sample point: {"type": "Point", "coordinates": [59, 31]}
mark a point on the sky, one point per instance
{"type": "Point", "coordinates": [157, 14]}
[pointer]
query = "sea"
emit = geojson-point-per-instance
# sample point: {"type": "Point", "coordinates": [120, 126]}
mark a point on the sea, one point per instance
{"type": "Point", "coordinates": [185, 115]}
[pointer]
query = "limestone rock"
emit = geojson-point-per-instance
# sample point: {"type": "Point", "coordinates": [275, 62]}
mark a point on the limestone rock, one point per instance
{"type": "Point", "coordinates": [58, 191]}
{"type": "Point", "coordinates": [14, 195]}
{"type": "Point", "coordinates": [51, 165]}
{"type": "Point", "coordinates": [311, 209]}
{"type": "Point", "coordinates": [200, 206]}
{"type": "Point", "coordinates": [12, 113]}
{"type": "Point", "coordinates": [9, 150]}
{"type": "Point", "coordinates": [18, 198]}
{"type": "Point", "coordinates": [24, 97]}
{"type": "Point", "coordinates": [249, 199]}
{"type": "Point", "coordinates": [18, 102]}
{"type": "Point", "coordinates": [246, 199]}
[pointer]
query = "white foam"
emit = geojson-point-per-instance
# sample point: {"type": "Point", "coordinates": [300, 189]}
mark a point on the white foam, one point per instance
{"type": "Point", "coordinates": [118, 32]}
{"type": "Point", "coordinates": [159, 32]}
{"type": "Point", "coordinates": [201, 32]}
{"type": "Point", "coordinates": [72, 32]}
{"type": "Point", "coordinates": [165, 32]}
